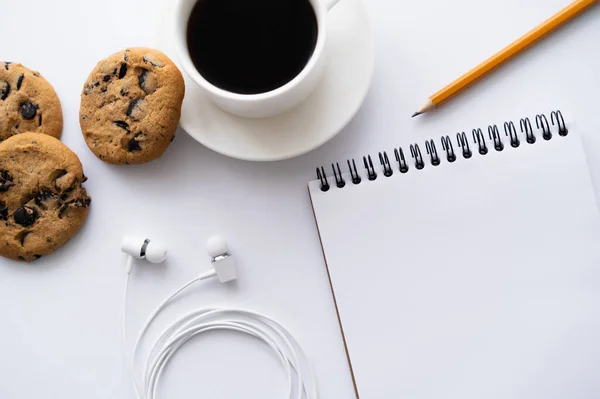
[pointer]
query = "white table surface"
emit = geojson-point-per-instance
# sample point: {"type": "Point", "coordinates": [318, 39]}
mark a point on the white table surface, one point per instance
{"type": "Point", "coordinates": [60, 331]}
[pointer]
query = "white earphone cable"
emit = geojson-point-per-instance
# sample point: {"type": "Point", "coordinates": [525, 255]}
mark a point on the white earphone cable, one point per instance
{"type": "Point", "coordinates": [300, 378]}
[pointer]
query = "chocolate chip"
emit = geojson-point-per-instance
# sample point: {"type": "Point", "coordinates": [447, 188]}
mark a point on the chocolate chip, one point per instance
{"type": "Point", "coordinates": [43, 196]}
{"type": "Point", "coordinates": [6, 181]}
{"type": "Point", "coordinates": [123, 125]}
{"type": "Point", "coordinates": [40, 120]}
{"type": "Point", "coordinates": [83, 202]}
{"type": "Point", "coordinates": [3, 211]}
{"type": "Point", "coordinates": [96, 84]}
{"type": "Point", "coordinates": [84, 179]}
{"type": "Point", "coordinates": [133, 145]}
{"type": "Point", "coordinates": [28, 110]}
{"type": "Point", "coordinates": [36, 256]}
{"type": "Point", "coordinates": [87, 89]}
{"type": "Point", "coordinates": [22, 237]}
{"type": "Point", "coordinates": [124, 92]}
{"type": "Point", "coordinates": [36, 74]}
{"type": "Point", "coordinates": [126, 57]}
{"type": "Point", "coordinates": [6, 64]}
{"type": "Point", "coordinates": [142, 79]}
{"type": "Point", "coordinates": [152, 61]}
{"type": "Point", "coordinates": [64, 197]}
{"type": "Point", "coordinates": [115, 71]}
{"type": "Point", "coordinates": [131, 107]}
{"type": "Point", "coordinates": [122, 70]}
{"type": "Point", "coordinates": [147, 81]}
{"type": "Point", "coordinates": [106, 78]}
{"type": "Point", "coordinates": [21, 258]}
{"type": "Point", "coordinates": [62, 209]}
{"type": "Point", "coordinates": [103, 90]}
{"type": "Point", "coordinates": [25, 216]}
{"type": "Point", "coordinates": [20, 81]}
{"type": "Point", "coordinates": [78, 203]}
{"type": "Point", "coordinates": [4, 90]}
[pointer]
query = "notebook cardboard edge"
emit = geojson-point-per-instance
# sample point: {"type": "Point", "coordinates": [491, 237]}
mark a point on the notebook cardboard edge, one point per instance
{"type": "Point", "coordinates": [337, 311]}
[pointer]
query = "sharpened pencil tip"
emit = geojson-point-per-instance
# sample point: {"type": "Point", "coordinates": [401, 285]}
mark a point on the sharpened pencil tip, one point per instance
{"type": "Point", "coordinates": [415, 114]}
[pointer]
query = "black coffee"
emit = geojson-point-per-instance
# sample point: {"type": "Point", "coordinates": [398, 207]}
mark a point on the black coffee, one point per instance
{"type": "Point", "coordinates": [251, 46]}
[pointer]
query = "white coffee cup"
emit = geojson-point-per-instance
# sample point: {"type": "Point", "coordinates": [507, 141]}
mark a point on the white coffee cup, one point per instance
{"type": "Point", "coordinates": [265, 104]}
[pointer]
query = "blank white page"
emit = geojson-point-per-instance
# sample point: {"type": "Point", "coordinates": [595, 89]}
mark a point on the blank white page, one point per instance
{"type": "Point", "coordinates": [471, 280]}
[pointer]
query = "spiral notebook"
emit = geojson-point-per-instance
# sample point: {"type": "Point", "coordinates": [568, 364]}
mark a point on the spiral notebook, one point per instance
{"type": "Point", "coordinates": [467, 267]}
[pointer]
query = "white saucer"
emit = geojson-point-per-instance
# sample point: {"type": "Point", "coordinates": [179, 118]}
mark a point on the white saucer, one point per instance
{"type": "Point", "coordinates": [344, 85]}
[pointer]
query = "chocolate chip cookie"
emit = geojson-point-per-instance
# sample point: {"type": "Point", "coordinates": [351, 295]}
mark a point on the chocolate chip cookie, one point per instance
{"type": "Point", "coordinates": [42, 202]}
{"type": "Point", "coordinates": [130, 106]}
{"type": "Point", "coordinates": [28, 103]}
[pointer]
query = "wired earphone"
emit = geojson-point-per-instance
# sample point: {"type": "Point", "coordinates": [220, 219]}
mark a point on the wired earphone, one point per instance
{"type": "Point", "coordinates": [300, 378]}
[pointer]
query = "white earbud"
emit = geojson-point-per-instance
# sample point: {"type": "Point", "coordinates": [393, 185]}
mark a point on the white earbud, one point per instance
{"type": "Point", "coordinates": [154, 252]}
{"type": "Point", "coordinates": [142, 248]}
{"type": "Point", "coordinates": [216, 246]}
{"type": "Point", "coordinates": [223, 263]}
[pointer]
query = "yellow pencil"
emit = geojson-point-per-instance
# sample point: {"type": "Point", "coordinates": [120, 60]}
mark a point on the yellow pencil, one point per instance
{"type": "Point", "coordinates": [505, 54]}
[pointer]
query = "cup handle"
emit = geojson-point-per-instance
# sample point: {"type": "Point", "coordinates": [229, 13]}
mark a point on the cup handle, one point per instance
{"type": "Point", "coordinates": [330, 3]}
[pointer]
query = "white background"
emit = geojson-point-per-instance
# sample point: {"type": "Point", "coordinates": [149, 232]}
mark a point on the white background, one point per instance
{"type": "Point", "coordinates": [60, 316]}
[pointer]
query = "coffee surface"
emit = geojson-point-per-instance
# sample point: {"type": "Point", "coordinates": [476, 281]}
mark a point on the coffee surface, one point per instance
{"type": "Point", "coordinates": [251, 46]}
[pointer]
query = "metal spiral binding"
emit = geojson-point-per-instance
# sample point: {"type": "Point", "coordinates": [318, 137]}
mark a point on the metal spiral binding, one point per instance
{"type": "Point", "coordinates": [447, 146]}
{"type": "Point", "coordinates": [560, 121]}
{"type": "Point", "coordinates": [339, 180]}
{"type": "Point", "coordinates": [509, 130]}
{"type": "Point", "coordinates": [463, 142]}
{"type": "Point", "coordinates": [541, 122]}
{"type": "Point", "coordinates": [479, 139]}
{"type": "Point", "coordinates": [372, 175]}
{"type": "Point", "coordinates": [323, 178]}
{"type": "Point", "coordinates": [415, 152]}
{"type": "Point", "coordinates": [403, 166]}
{"type": "Point", "coordinates": [526, 128]}
{"type": "Point", "coordinates": [385, 162]}
{"type": "Point", "coordinates": [433, 157]}
{"type": "Point", "coordinates": [495, 136]}
{"type": "Point", "coordinates": [353, 172]}
{"type": "Point", "coordinates": [432, 152]}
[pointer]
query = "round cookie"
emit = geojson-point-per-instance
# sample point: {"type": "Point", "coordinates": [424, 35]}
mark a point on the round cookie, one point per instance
{"type": "Point", "coordinates": [28, 103]}
{"type": "Point", "coordinates": [130, 106]}
{"type": "Point", "coordinates": [42, 202]}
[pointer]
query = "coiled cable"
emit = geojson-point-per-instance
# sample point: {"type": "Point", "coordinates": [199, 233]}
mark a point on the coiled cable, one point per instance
{"type": "Point", "coordinates": [300, 378]}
